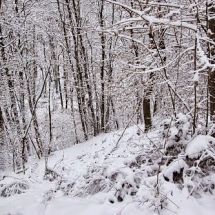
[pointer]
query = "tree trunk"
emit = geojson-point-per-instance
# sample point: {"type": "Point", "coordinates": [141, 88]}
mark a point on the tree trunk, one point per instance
{"type": "Point", "coordinates": [102, 67]}
{"type": "Point", "coordinates": [211, 25]}
{"type": "Point", "coordinates": [2, 143]}
{"type": "Point", "coordinates": [147, 107]}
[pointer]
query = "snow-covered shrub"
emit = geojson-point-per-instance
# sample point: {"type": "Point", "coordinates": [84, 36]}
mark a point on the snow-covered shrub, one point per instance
{"type": "Point", "coordinates": [51, 175]}
{"type": "Point", "coordinates": [121, 183]}
{"type": "Point", "coordinates": [190, 161]}
{"type": "Point", "coordinates": [65, 186]}
{"type": "Point", "coordinates": [176, 132]}
{"type": "Point", "coordinates": [127, 187]}
{"type": "Point", "coordinates": [142, 175]}
{"type": "Point", "coordinates": [175, 171]}
{"type": "Point", "coordinates": [15, 187]}
{"type": "Point", "coordinates": [92, 182]}
{"type": "Point", "coordinates": [96, 180]}
{"type": "Point", "coordinates": [96, 185]}
{"type": "Point", "coordinates": [200, 156]}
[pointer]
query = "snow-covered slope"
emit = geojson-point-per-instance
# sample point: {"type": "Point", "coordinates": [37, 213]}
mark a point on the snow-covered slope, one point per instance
{"type": "Point", "coordinates": [103, 176]}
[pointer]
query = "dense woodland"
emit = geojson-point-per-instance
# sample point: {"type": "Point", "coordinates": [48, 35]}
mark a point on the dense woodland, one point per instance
{"type": "Point", "coordinates": [101, 65]}
{"type": "Point", "coordinates": [108, 99]}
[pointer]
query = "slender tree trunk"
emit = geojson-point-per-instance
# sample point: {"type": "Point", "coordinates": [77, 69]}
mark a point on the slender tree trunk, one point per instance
{"type": "Point", "coordinates": [77, 72]}
{"type": "Point", "coordinates": [2, 143]}
{"type": "Point", "coordinates": [102, 67]}
{"type": "Point", "coordinates": [147, 105]}
{"type": "Point", "coordinates": [211, 25]}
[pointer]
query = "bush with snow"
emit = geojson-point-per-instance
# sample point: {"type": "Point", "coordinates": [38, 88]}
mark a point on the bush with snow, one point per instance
{"type": "Point", "coordinates": [140, 169]}
{"type": "Point", "coordinates": [180, 158]}
{"type": "Point", "coordinates": [15, 187]}
{"type": "Point", "coordinates": [190, 161]}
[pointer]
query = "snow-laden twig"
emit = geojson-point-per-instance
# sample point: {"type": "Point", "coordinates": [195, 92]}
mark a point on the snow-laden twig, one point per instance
{"type": "Point", "coordinates": [152, 19]}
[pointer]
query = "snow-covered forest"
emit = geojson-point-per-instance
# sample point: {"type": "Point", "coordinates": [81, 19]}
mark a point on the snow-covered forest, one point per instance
{"type": "Point", "coordinates": [107, 107]}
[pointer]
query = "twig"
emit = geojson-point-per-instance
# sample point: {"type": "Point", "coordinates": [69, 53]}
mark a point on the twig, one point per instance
{"type": "Point", "coordinates": [116, 146]}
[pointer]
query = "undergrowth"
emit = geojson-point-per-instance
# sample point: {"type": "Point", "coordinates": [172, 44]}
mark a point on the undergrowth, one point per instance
{"type": "Point", "coordinates": [179, 156]}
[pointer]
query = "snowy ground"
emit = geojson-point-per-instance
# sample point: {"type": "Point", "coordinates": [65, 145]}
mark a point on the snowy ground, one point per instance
{"type": "Point", "coordinates": [74, 165]}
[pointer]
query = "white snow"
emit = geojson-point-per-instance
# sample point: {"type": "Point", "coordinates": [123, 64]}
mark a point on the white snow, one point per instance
{"type": "Point", "coordinates": [199, 144]}
{"type": "Point", "coordinates": [75, 163]}
{"type": "Point", "coordinates": [196, 77]}
{"type": "Point", "coordinates": [175, 167]}
{"type": "Point", "coordinates": [181, 118]}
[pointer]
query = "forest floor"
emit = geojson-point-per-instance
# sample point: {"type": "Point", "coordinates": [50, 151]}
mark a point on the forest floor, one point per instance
{"type": "Point", "coordinates": [74, 186]}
